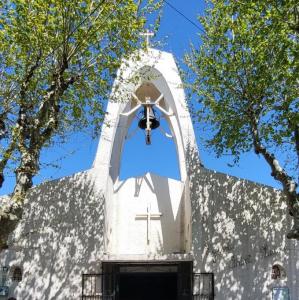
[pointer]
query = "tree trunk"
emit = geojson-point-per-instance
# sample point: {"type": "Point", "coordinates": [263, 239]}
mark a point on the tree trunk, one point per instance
{"type": "Point", "coordinates": [30, 140]}
{"type": "Point", "coordinates": [288, 184]}
{"type": "Point", "coordinates": [294, 211]}
{"type": "Point", "coordinates": [24, 174]}
{"type": "Point", "coordinates": [9, 223]}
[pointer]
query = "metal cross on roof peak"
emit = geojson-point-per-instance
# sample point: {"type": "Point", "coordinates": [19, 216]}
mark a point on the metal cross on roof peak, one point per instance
{"type": "Point", "coordinates": [147, 36]}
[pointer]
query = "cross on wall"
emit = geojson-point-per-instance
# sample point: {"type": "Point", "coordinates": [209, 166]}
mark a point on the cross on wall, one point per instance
{"type": "Point", "coordinates": [148, 216]}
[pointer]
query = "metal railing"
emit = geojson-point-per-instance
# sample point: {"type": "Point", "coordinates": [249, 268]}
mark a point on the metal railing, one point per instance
{"type": "Point", "coordinates": [97, 297]}
{"type": "Point", "coordinates": [203, 286]}
{"type": "Point", "coordinates": [102, 287]}
{"type": "Point", "coordinates": [98, 286]}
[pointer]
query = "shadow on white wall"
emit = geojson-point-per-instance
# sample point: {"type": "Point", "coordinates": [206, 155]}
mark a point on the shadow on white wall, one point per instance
{"type": "Point", "coordinates": [59, 238]}
{"type": "Point", "coordinates": [239, 230]}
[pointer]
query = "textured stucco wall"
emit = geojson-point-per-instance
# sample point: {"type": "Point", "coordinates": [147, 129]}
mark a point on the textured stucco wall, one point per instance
{"type": "Point", "coordinates": [239, 230]}
{"type": "Point", "coordinates": [59, 238]}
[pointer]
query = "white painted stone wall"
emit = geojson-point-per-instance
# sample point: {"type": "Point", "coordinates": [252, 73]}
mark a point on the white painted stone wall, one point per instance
{"type": "Point", "coordinates": [239, 233]}
{"type": "Point", "coordinates": [60, 237]}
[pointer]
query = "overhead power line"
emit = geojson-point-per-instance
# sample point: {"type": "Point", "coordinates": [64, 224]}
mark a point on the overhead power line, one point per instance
{"type": "Point", "coordinates": [184, 16]}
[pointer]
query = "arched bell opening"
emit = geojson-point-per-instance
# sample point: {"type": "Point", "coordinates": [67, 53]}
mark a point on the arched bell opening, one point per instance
{"type": "Point", "coordinates": [150, 84]}
{"type": "Point", "coordinates": [139, 155]}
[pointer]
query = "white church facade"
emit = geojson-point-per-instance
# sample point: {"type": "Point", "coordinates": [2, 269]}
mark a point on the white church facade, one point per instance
{"type": "Point", "coordinates": [205, 236]}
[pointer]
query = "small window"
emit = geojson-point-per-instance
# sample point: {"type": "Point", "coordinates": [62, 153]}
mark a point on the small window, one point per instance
{"type": "Point", "coordinates": [278, 272]}
{"type": "Point", "coordinates": [275, 272]}
{"type": "Point", "coordinates": [17, 274]}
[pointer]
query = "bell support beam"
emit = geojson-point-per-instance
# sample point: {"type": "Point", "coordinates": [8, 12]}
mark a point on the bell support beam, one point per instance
{"type": "Point", "coordinates": [156, 104]}
{"type": "Point", "coordinates": [139, 104]}
{"type": "Point", "coordinates": [167, 113]}
{"type": "Point", "coordinates": [159, 99]}
{"type": "Point", "coordinates": [136, 98]}
{"type": "Point", "coordinates": [130, 112]}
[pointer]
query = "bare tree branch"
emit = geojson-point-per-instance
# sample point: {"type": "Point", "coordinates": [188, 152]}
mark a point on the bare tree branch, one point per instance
{"type": "Point", "coordinates": [296, 137]}
{"type": "Point", "coordinates": [289, 185]}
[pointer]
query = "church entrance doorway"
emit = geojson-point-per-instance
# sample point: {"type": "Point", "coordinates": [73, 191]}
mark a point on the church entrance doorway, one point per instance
{"type": "Point", "coordinates": [154, 281]}
{"type": "Point", "coordinates": [148, 281]}
{"type": "Point", "coordinates": [148, 286]}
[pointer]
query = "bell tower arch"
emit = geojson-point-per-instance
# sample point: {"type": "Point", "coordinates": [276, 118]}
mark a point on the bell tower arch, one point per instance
{"type": "Point", "coordinates": [147, 215]}
{"type": "Point", "coordinates": [154, 74]}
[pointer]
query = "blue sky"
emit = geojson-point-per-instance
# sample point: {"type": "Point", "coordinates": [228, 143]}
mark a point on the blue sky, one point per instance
{"type": "Point", "coordinates": [175, 36]}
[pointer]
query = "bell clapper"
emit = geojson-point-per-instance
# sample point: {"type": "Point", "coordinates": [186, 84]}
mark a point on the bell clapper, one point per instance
{"type": "Point", "coordinates": [148, 137]}
{"type": "Point", "coordinates": [148, 125]}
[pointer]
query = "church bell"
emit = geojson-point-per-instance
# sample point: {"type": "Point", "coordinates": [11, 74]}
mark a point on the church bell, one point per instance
{"type": "Point", "coordinates": [148, 122]}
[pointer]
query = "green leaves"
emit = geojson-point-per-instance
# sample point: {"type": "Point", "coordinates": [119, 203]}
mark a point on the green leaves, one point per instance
{"type": "Point", "coordinates": [58, 60]}
{"type": "Point", "coordinates": [246, 75]}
